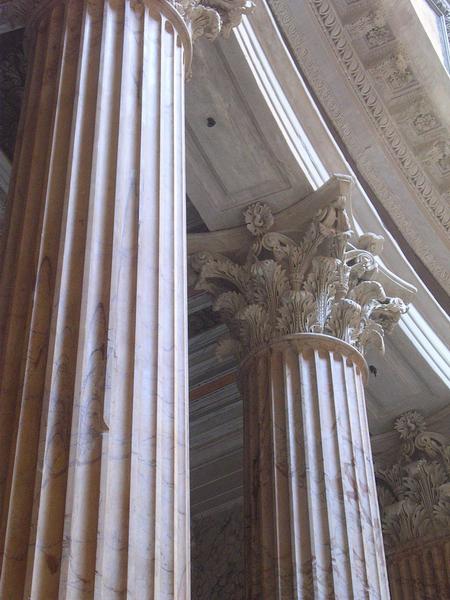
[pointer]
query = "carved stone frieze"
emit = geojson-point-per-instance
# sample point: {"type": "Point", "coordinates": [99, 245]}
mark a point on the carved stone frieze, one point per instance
{"type": "Point", "coordinates": [414, 491]}
{"type": "Point", "coordinates": [373, 28]}
{"type": "Point", "coordinates": [315, 281]}
{"type": "Point", "coordinates": [331, 18]}
{"type": "Point", "coordinates": [398, 75]}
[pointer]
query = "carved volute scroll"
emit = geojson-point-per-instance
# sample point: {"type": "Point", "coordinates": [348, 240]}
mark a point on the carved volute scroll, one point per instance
{"type": "Point", "coordinates": [414, 500]}
{"type": "Point", "coordinates": [209, 18]}
{"type": "Point", "coordinates": [414, 491]}
{"type": "Point", "coordinates": [323, 281]}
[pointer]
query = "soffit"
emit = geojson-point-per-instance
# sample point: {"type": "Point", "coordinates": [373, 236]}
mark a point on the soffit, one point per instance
{"type": "Point", "coordinates": [375, 73]}
{"type": "Point", "coordinates": [386, 94]}
{"type": "Point", "coordinates": [236, 153]}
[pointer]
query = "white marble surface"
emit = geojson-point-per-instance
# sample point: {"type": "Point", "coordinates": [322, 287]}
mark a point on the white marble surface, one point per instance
{"type": "Point", "coordinates": [94, 471]}
{"type": "Point", "coordinates": [311, 503]}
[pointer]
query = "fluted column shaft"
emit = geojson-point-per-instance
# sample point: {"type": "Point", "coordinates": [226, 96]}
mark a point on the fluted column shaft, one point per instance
{"type": "Point", "coordinates": [93, 423]}
{"type": "Point", "coordinates": [313, 527]}
{"type": "Point", "coordinates": [420, 570]}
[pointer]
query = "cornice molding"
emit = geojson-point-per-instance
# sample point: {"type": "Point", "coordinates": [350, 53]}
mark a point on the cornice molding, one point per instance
{"type": "Point", "coordinates": [444, 7]}
{"type": "Point", "coordinates": [374, 106]}
{"type": "Point", "coordinates": [434, 204]}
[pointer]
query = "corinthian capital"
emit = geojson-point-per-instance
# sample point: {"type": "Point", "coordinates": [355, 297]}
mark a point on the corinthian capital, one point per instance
{"type": "Point", "coordinates": [321, 280]}
{"type": "Point", "coordinates": [414, 491]}
{"type": "Point", "coordinates": [209, 18]}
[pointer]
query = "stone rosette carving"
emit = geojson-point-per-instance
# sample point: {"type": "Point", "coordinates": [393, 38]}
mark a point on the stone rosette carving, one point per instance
{"type": "Point", "coordinates": [317, 281]}
{"type": "Point", "coordinates": [373, 28]}
{"type": "Point", "coordinates": [414, 492]}
{"type": "Point", "coordinates": [396, 72]}
{"type": "Point", "coordinates": [258, 218]}
{"type": "Point", "coordinates": [439, 156]}
{"type": "Point", "coordinates": [209, 18]}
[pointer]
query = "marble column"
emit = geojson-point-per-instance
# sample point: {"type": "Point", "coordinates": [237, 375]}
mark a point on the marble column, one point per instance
{"type": "Point", "coordinates": [311, 505]}
{"type": "Point", "coordinates": [93, 424]}
{"type": "Point", "coordinates": [301, 309]}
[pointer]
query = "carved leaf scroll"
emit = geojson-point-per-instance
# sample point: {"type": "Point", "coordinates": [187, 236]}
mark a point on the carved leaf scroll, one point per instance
{"type": "Point", "coordinates": [414, 492]}
{"type": "Point", "coordinates": [322, 283]}
{"type": "Point", "coordinates": [209, 18]}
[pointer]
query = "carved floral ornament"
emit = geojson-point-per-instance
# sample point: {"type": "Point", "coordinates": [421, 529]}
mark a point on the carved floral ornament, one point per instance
{"type": "Point", "coordinates": [209, 18]}
{"type": "Point", "coordinates": [319, 282]}
{"type": "Point", "coordinates": [204, 18]}
{"type": "Point", "coordinates": [414, 492]}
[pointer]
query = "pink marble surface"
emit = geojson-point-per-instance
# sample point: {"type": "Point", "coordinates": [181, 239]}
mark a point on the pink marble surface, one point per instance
{"type": "Point", "coordinates": [421, 570]}
{"type": "Point", "coordinates": [311, 504]}
{"type": "Point", "coordinates": [94, 421]}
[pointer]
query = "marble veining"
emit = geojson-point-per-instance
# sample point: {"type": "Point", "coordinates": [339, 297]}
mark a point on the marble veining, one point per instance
{"type": "Point", "coordinates": [218, 555]}
{"type": "Point", "coordinates": [95, 476]}
{"type": "Point", "coordinates": [311, 512]}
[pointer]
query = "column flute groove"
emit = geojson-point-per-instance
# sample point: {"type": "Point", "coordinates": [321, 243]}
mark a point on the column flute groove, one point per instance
{"type": "Point", "coordinates": [94, 485]}
{"type": "Point", "coordinates": [301, 309]}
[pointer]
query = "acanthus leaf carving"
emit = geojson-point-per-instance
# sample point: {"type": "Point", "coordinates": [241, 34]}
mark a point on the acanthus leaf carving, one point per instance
{"type": "Point", "coordinates": [296, 313]}
{"type": "Point", "coordinates": [209, 18]}
{"type": "Point", "coordinates": [320, 283]}
{"type": "Point", "coordinates": [345, 320]}
{"type": "Point", "coordinates": [414, 492]}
